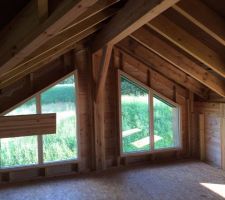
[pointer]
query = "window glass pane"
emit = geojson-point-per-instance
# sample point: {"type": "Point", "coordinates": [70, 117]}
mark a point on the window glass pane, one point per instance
{"type": "Point", "coordinates": [166, 124]}
{"type": "Point", "coordinates": [60, 99]}
{"type": "Point", "coordinates": [135, 117]}
{"type": "Point", "coordinates": [20, 151]}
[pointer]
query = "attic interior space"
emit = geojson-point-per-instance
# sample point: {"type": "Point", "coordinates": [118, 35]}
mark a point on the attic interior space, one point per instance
{"type": "Point", "coordinates": [112, 99]}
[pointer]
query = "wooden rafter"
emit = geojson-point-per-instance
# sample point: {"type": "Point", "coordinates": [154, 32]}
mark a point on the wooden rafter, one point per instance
{"type": "Point", "coordinates": [92, 21]}
{"type": "Point", "coordinates": [173, 56]}
{"type": "Point", "coordinates": [140, 52]}
{"type": "Point", "coordinates": [188, 43]}
{"type": "Point", "coordinates": [45, 58]}
{"type": "Point", "coordinates": [31, 34]}
{"type": "Point", "coordinates": [134, 15]}
{"type": "Point", "coordinates": [98, 7]}
{"type": "Point", "coordinates": [196, 11]}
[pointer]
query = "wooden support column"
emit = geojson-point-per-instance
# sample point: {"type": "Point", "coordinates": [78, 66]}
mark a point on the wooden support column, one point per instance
{"type": "Point", "coordinates": [202, 136]}
{"type": "Point", "coordinates": [85, 110]}
{"type": "Point", "coordinates": [100, 70]}
{"type": "Point", "coordinates": [190, 124]}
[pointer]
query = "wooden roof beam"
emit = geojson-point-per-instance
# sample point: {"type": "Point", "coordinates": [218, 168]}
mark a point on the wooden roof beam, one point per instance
{"type": "Point", "coordinates": [177, 59]}
{"type": "Point", "coordinates": [134, 15]}
{"type": "Point", "coordinates": [57, 44]}
{"type": "Point", "coordinates": [45, 58]}
{"type": "Point", "coordinates": [30, 33]}
{"type": "Point", "coordinates": [196, 12]}
{"type": "Point", "coordinates": [188, 43]}
{"type": "Point", "coordinates": [135, 49]}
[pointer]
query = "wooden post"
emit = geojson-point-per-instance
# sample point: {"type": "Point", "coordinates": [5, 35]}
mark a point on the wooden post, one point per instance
{"type": "Point", "coordinates": [100, 71]}
{"type": "Point", "coordinates": [202, 136]}
{"type": "Point", "coordinates": [190, 114]}
{"type": "Point", "coordinates": [85, 110]}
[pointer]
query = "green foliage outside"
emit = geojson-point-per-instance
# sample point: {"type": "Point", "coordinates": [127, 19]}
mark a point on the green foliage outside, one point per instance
{"type": "Point", "coordinates": [63, 145]}
{"type": "Point", "coordinates": [135, 114]}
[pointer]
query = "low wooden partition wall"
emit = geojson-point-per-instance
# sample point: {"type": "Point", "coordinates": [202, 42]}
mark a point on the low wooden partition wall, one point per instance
{"type": "Point", "coordinates": [210, 118]}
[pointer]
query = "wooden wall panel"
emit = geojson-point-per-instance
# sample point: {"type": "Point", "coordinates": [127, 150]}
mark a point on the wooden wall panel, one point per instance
{"type": "Point", "coordinates": [213, 133]}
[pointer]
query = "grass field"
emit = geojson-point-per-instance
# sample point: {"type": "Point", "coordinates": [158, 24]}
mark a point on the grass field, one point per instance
{"type": "Point", "coordinates": [135, 114]}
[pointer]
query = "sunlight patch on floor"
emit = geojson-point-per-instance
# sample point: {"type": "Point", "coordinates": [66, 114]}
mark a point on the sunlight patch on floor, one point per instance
{"type": "Point", "coordinates": [216, 188]}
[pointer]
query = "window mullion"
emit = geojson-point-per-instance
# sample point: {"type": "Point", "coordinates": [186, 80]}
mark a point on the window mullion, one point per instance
{"type": "Point", "coordinates": [151, 121]}
{"type": "Point", "coordinates": [39, 137]}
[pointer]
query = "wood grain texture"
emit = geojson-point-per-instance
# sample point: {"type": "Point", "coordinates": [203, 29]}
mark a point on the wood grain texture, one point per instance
{"type": "Point", "coordinates": [26, 125]}
{"type": "Point", "coordinates": [134, 15]}
{"type": "Point", "coordinates": [196, 12]}
{"type": "Point", "coordinates": [213, 131]}
{"type": "Point", "coordinates": [179, 60]}
{"type": "Point", "coordinates": [154, 61]}
{"type": "Point", "coordinates": [188, 43]}
{"type": "Point", "coordinates": [31, 34]}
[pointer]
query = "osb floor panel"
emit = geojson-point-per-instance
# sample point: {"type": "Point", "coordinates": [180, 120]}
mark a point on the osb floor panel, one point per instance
{"type": "Point", "coordinates": [177, 181]}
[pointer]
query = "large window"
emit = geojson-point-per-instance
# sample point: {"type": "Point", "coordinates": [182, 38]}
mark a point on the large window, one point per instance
{"type": "Point", "coordinates": [60, 100]}
{"type": "Point", "coordinates": [135, 117]}
{"type": "Point", "coordinates": [30, 150]}
{"type": "Point", "coordinates": [149, 122]}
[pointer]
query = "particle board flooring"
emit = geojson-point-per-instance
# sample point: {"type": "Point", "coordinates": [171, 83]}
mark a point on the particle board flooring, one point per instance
{"type": "Point", "coordinates": [189, 180]}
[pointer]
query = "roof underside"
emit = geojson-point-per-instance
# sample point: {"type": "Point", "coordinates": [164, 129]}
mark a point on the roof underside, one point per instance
{"type": "Point", "coordinates": [185, 37]}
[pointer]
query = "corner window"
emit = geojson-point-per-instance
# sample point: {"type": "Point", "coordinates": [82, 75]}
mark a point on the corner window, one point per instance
{"type": "Point", "coordinates": [140, 133]}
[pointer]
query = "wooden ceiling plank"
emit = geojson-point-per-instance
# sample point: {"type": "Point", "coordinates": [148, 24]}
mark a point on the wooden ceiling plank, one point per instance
{"type": "Point", "coordinates": [57, 42]}
{"type": "Point", "coordinates": [31, 34]}
{"type": "Point", "coordinates": [176, 58]}
{"type": "Point", "coordinates": [72, 32]}
{"type": "Point", "coordinates": [131, 17]}
{"type": "Point", "coordinates": [47, 57]}
{"type": "Point", "coordinates": [98, 7]}
{"type": "Point", "coordinates": [138, 51]}
{"type": "Point", "coordinates": [196, 12]}
{"type": "Point", "coordinates": [188, 43]}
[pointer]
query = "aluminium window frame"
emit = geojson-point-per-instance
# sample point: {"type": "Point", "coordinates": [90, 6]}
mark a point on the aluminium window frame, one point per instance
{"type": "Point", "coordinates": [151, 93]}
{"type": "Point", "coordinates": [37, 97]}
